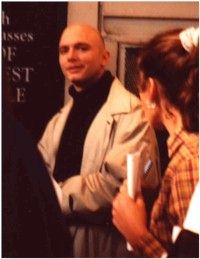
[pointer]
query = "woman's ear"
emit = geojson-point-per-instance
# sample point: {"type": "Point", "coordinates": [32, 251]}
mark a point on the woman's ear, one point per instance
{"type": "Point", "coordinates": [152, 90]}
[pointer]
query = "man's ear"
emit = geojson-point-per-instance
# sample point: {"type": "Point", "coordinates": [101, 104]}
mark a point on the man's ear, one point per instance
{"type": "Point", "coordinates": [105, 57]}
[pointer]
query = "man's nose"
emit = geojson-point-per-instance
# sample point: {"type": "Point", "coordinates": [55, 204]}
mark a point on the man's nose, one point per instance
{"type": "Point", "coordinates": [71, 55]}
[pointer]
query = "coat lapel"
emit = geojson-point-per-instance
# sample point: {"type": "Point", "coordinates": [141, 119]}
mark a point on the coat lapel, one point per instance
{"type": "Point", "coordinates": [59, 126]}
{"type": "Point", "coordinates": [99, 136]}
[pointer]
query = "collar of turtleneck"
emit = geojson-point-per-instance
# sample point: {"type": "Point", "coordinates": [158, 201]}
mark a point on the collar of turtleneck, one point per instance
{"type": "Point", "coordinates": [85, 107]}
{"type": "Point", "coordinates": [99, 88]}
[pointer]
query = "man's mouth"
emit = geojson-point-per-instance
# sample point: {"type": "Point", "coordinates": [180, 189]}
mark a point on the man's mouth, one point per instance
{"type": "Point", "coordinates": [74, 69]}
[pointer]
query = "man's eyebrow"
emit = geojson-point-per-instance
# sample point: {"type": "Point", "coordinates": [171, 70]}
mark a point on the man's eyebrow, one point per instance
{"type": "Point", "coordinates": [77, 44]}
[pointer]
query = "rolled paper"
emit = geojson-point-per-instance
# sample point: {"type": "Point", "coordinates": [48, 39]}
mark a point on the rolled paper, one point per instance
{"type": "Point", "coordinates": [133, 178]}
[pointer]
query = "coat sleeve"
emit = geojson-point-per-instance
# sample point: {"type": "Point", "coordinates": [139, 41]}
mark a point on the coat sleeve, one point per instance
{"type": "Point", "coordinates": [47, 146]}
{"type": "Point", "coordinates": [94, 191]}
{"type": "Point", "coordinates": [49, 142]}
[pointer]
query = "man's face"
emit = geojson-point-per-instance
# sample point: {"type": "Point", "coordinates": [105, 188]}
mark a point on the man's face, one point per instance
{"type": "Point", "coordinates": [82, 55]}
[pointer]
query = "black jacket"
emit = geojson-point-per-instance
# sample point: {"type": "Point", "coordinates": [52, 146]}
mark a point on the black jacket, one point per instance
{"type": "Point", "coordinates": [32, 223]}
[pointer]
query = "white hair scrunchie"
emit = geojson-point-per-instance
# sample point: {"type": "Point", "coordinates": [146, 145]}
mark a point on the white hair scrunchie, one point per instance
{"type": "Point", "coordinates": [189, 38]}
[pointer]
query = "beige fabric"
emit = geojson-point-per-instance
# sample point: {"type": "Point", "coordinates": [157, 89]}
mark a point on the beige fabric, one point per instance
{"type": "Point", "coordinates": [118, 128]}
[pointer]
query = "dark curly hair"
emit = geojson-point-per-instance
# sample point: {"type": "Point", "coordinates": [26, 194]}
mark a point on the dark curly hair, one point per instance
{"type": "Point", "coordinates": [177, 70]}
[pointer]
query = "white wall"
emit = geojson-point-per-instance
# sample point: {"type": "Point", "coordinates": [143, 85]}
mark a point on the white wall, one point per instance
{"type": "Point", "coordinates": [86, 12]}
{"type": "Point", "coordinates": [132, 22]}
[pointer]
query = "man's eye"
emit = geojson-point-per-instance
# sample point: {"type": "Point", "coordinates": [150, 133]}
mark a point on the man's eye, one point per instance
{"type": "Point", "coordinates": [82, 48]}
{"type": "Point", "coordinates": [63, 50]}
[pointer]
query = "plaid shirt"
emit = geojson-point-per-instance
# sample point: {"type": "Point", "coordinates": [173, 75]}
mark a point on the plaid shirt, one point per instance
{"type": "Point", "coordinates": [178, 184]}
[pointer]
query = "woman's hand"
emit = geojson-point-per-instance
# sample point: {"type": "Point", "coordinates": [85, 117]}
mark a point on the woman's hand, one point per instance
{"type": "Point", "coordinates": [129, 216]}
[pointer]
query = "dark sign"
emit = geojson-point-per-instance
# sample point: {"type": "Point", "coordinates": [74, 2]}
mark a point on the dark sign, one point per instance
{"type": "Point", "coordinates": [30, 36]}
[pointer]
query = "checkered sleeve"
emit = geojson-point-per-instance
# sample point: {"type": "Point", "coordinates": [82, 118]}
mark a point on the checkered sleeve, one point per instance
{"type": "Point", "coordinates": [149, 246]}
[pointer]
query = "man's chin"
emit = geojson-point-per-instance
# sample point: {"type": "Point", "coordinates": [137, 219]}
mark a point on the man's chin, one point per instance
{"type": "Point", "coordinates": [76, 80]}
{"type": "Point", "coordinates": [82, 81]}
{"type": "Point", "coordinates": [74, 77]}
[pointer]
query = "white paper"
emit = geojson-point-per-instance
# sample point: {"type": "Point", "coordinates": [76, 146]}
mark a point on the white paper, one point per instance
{"type": "Point", "coordinates": [175, 233]}
{"type": "Point", "coordinates": [192, 220]}
{"type": "Point", "coordinates": [133, 173]}
{"type": "Point", "coordinates": [133, 178]}
{"type": "Point", "coordinates": [135, 168]}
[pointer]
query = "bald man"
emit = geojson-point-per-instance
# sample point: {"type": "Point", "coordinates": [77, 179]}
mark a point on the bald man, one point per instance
{"type": "Point", "coordinates": [85, 145]}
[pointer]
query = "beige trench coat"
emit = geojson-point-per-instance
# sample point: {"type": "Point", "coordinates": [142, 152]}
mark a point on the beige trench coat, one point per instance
{"type": "Point", "coordinates": [118, 128]}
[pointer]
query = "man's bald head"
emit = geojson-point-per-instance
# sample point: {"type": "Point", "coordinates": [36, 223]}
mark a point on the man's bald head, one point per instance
{"type": "Point", "coordinates": [86, 29]}
{"type": "Point", "coordinates": [82, 54]}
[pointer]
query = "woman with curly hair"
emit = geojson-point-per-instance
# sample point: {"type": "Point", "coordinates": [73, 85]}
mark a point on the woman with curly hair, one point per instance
{"type": "Point", "coordinates": [168, 82]}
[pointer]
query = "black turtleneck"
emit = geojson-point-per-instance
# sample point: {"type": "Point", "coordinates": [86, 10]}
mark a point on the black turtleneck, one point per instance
{"type": "Point", "coordinates": [86, 105]}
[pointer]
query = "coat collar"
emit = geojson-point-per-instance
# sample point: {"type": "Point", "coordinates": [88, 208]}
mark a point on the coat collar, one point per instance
{"type": "Point", "coordinates": [119, 99]}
